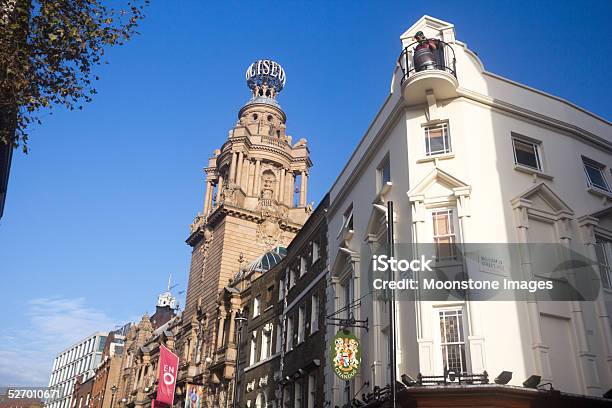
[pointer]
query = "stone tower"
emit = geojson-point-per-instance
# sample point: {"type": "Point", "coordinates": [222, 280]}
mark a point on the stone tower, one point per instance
{"type": "Point", "coordinates": [255, 200]}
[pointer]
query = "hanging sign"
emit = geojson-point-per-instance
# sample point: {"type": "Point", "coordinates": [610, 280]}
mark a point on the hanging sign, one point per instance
{"type": "Point", "coordinates": [168, 367]}
{"type": "Point", "coordinates": [345, 353]}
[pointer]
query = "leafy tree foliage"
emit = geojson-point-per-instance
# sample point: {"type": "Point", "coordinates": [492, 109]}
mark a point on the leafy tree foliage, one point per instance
{"type": "Point", "coordinates": [48, 53]}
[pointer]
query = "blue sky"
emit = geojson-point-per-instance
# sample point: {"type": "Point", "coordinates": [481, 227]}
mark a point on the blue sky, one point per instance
{"type": "Point", "coordinates": [98, 212]}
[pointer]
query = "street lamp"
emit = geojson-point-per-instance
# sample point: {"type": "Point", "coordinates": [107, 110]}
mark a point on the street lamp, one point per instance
{"type": "Point", "coordinates": [240, 319]}
{"type": "Point", "coordinates": [113, 391]}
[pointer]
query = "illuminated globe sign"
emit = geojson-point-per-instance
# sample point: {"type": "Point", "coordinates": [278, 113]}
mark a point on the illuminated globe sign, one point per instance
{"type": "Point", "coordinates": [265, 72]}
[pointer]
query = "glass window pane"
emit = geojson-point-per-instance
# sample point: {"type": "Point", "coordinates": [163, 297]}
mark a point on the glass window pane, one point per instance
{"type": "Point", "coordinates": [596, 176]}
{"type": "Point", "coordinates": [437, 140]}
{"type": "Point", "coordinates": [526, 154]}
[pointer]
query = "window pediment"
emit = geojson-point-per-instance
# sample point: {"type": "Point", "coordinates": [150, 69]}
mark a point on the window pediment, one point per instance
{"type": "Point", "coordinates": [438, 184]}
{"type": "Point", "coordinates": [543, 200]}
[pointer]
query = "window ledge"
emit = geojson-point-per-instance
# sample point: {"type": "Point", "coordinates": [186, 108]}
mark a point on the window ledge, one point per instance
{"type": "Point", "coordinates": [533, 172]}
{"type": "Point", "coordinates": [599, 192]}
{"type": "Point", "coordinates": [445, 156]}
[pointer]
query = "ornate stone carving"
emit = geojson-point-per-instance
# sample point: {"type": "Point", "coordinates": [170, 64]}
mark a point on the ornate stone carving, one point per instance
{"type": "Point", "coordinates": [274, 216]}
{"type": "Point", "coordinates": [198, 222]}
{"type": "Point", "coordinates": [229, 194]}
{"type": "Point", "coordinates": [208, 237]}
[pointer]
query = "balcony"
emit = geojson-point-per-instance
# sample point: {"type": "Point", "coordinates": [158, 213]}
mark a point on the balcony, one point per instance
{"type": "Point", "coordinates": [432, 69]}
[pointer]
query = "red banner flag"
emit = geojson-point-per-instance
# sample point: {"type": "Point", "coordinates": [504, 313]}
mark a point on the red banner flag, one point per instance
{"type": "Point", "coordinates": [168, 370]}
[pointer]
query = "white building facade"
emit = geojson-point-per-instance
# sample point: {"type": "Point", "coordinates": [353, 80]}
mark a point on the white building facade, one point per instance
{"type": "Point", "coordinates": [80, 359]}
{"type": "Point", "coordinates": [470, 157]}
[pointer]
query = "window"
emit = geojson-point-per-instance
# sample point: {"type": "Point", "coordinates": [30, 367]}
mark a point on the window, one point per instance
{"type": "Point", "coordinates": [293, 278]}
{"type": "Point", "coordinates": [444, 234]}
{"type": "Point", "coordinates": [527, 153]}
{"type": "Point", "coordinates": [595, 174]}
{"type": "Point", "coordinates": [279, 342]}
{"type": "Point", "coordinates": [256, 306]}
{"type": "Point", "coordinates": [302, 265]}
{"type": "Point", "coordinates": [252, 355]}
{"type": "Point", "coordinates": [281, 289]}
{"type": "Point", "coordinates": [383, 173]}
{"type": "Point", "coordinates": [452, 341]}
{"type": "Point", "coordinates": [289, 338]}
{"type": "Point", "coordinates": [301, 328]}
{"type": "Point", "coordinates": [347, 220]}
{"type": "Point", "coordinates": [437, 140]}
{"type": "Point", "coordinates": [269, 295]}
{"type": "Point", "coordinates": [297, 395]}
{"type": "Point", "coordinates": [603, 251]}
{"type": "Point", "coordinates": [312, 391]}
{"type": "Point", "coordinates": [315, 251]}
{"type": "Point", "coordinates": [266, 342]}
{"type": "Point", "coordinates": [348, 295]}
{"type": "Point", "coordinates": [314, 314]}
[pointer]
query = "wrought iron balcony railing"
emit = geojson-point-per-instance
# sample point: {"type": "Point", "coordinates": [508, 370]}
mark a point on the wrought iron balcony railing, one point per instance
{"type": "Point", "coordinates": [441, 58]}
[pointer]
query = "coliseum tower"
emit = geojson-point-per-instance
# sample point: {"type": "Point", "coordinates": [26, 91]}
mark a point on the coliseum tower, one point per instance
{"type": "Point", "coordinates": [255, 201]}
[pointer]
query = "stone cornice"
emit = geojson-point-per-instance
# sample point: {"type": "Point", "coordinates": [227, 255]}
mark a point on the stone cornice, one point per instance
{"type": "Point", "coordinates": [228, 210]}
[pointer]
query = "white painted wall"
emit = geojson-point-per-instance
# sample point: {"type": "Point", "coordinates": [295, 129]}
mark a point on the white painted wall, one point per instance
{"type": "Point", "coordinates": [516, 336]}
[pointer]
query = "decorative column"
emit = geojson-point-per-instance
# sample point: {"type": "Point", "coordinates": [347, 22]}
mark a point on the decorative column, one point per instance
{"type": "Point", "coordinates": [207, 197]}
{"type": "Point", "coordinates": [291, 188]}
{"type": "Point", "coordinates": [232, 326]}
{"type": "Point", "coordinates": [281, 186]}
{"type": "Point", "coordinates": [232, 172]}
{"type": "Point", "coordinates": [220, 331]}
{"type": "Point", "coordinates": [239, 166]}
{"type": "Point", "coordinates": [257, 177]}
{"type": "Point", "coordinates": [425, 344]}
{"type": "Point", "coordinates": [248, 181]}
{"type": "Point", "coordinates": [521, 207]}
{"type": "Point", "coordinates": [475, 337]}
{"type": "Point", "coordinates": [303, 189]}
{"type": "Point", "coordinates": [219, 188]}
{"type": "Point", "coordinates": [588, 359]}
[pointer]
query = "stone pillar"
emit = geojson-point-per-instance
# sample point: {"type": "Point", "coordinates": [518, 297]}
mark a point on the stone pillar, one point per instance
{"type": "Point", "coordinates": [230, 338]}
{"type": "Point", "coordinates": [239, 166]}
{"type": "Point", "coordinates": [303, 186]}
{"type": "Point", "coordinates": [207, 197]}
{"type": "Point", "coordinates": [220, 331]}
{"type": "Point", "coordinates": [257, 177]}
{"type": "Point", "coordinates": [232, 175]}
{"type": "Point", "coordinates": [586, 225]}
{"type": "Point", "coordinates": [248, 181]}
{"type": "Point", "coordinates": [281, 186]}
{"type": "Point", "coordinates": [291, 188]}
{"type": "Point", "coordinates": [219, 187]}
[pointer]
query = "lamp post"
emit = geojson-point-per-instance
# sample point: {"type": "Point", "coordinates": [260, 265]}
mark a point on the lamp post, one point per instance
{"type": "Point", "coordinates": [113, 391]}
{"type": "Point", "coordinates": [240, 319]}
{"type": "Point", "coordinates": [392, 310]}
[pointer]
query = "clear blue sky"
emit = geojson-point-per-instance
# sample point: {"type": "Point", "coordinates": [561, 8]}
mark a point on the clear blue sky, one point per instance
{"type": "Point", "coordinates": [98, 212]}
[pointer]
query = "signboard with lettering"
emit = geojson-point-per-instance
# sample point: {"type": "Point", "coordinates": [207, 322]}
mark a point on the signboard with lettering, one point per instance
{"type": "Point", "coordinates": [345, 353]}
{"type": "Point", "coordinates": [168, 370]}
